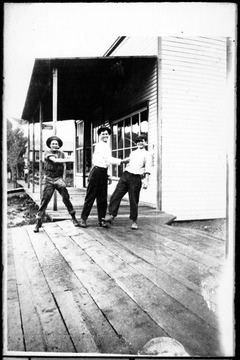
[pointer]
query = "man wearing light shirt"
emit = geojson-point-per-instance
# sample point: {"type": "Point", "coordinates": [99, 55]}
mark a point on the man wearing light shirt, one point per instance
{"type": "Point", "coordinates": [131, 181]}
{"type": "Point", "coordinates": [98, 178]}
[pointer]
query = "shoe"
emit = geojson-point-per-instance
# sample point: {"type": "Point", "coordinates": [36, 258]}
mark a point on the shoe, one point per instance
{"type": "Point", "coordinates": [108, 219]}
{"type": "Point", "coordinates": [82, 223]}
{"type": "Point", "coordinates": [38, 225]}
{"type": "Point", "coordinates": [103, 224]}
{"type": "Point", "coordinates": [36, 229]}
{"type": "Point", "coordinates": [134, 226]}
{"type": "Point", "coordinates": [75, 222]}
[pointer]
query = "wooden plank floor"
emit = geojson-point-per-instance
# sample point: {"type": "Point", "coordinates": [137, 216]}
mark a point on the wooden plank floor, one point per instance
{"type": "Point", "coordinates": [109, 291]}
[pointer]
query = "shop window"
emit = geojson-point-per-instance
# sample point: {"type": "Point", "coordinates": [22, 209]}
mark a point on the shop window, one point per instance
{"type": "Point", "coordinates": [124, 133]}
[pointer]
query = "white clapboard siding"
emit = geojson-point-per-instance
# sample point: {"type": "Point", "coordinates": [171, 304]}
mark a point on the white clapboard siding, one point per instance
{"type": "Point", "coordinates": [193, 84]}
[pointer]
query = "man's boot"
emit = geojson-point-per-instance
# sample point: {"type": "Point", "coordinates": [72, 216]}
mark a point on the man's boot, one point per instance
{"type": "Point", "coordinates": [38, 225]}
{"type": "Point", "coordinates": [74, 220]}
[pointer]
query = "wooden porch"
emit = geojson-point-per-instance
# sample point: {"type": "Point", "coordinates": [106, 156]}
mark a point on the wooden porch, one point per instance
{"type": "Point", "coordinates": [99, 291]}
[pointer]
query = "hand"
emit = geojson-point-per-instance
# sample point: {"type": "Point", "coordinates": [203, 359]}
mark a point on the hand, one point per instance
{"type": "Point", "coordinates": [145, 185]}
{"type": "Point", "coordinates": [124, 161]}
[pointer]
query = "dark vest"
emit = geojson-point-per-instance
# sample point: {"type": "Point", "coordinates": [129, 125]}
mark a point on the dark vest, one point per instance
{"type": "Point", "coordinates": [53, 170]}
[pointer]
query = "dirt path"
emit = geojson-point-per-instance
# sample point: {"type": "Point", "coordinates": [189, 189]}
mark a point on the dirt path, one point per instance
{"type": "Point", "coordinates": [21, 210]}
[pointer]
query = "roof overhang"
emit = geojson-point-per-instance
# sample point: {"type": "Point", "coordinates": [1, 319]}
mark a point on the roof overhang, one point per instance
{"type": "Point", "coordinates": [84, 84]}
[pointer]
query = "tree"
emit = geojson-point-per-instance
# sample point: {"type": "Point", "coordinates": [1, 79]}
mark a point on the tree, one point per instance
{"type": "Point", "coordinates": [16, 148]}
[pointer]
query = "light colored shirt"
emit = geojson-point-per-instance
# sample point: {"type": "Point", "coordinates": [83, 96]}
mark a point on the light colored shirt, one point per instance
{"type": "Point", "coordinates": [139, 162]}
{"type": "Point", "coordinates": [102, 155]}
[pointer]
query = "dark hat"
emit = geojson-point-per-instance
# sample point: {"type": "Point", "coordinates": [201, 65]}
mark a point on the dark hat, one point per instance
{"type": "Point", "coordinates": [48, 142]}
{"type": "Point", "coordinates": [140, 138]}
{"type": "Point", "coordinates": [104, 128]}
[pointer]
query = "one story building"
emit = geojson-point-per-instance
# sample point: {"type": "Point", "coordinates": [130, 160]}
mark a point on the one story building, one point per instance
{"type": "Point", "coordinates": [171, 88]}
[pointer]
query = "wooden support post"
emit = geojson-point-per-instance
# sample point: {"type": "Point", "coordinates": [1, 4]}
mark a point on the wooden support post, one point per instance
{"type": "Point", "coordinates": [159, 127]}
{"type": "Point", "coordinates": [54, 92]}
{"type": "Point", "coordinates": [33, 158]}
{"type": "Point", "coordinates": [40, 151]}
{"type": "Point", "coordinates": [28, 156]}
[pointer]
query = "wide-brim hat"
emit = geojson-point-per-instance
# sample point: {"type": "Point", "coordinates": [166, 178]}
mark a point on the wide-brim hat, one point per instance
{"type": "Point", "coordinates": [104, 128]}
{"type": "Point", "coordinates": [51, 138]}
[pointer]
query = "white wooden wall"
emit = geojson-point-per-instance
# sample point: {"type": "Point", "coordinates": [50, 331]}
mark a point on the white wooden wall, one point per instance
{"type": "Point", "coordinates": [193, 123]}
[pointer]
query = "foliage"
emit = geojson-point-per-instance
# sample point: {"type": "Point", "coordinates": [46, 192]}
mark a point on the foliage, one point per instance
{"type": "Point", "coordinates": [16, 148]}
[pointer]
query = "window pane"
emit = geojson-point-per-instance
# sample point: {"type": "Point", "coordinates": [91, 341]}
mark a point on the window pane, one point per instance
{"type": "Point", "coordinates": [114, 170]}
{"type": "Point", "coordinates": [127, 135]}
{"type": "Point", "coordinates": [127, 153]}
{"type": "Point", "coordinates": [94, 134]}
{"type": "Point", "coordinates": [120, 167]}
{"type": "Point", "coordinates": [80, 140]}
{"type": "Point", "coordinates": [78, 161]}
{"type": "Point", "coordinates": [69, 168]}
{"type": "Point", "coordinates": [120, 135]}
{"type": "Point", "coordinates": [135, 128]}
{"type": "Point", "coordinates": [114, 137]}
{"type": "Point", "coordinates": [81, 161]}
{"type": "Point", "coordinates": [114, 167]}
{"type": "Point", "coordinates": [120, 154]}
{"type": "Point", "coordinates": [88, 159]}
{"type": "Point", "coordinates": [144, 122]}
{"type": "Point", "coordinates": [81, 134]}
{"type": "Point", "coordinates": [79, 165]}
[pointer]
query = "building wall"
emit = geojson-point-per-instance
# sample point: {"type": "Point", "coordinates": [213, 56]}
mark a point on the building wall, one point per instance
{"type": "Point", "coordinates": [193, 82]}
{"type": "Point", "coordinates": [191, 123]}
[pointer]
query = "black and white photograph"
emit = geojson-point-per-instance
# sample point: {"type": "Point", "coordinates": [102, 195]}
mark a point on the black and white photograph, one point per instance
{"type": "Point", "coordinates": [118, 178]}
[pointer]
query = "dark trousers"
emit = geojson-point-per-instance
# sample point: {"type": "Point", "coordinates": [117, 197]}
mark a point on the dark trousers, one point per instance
{"type": "Point", "coordinates": [97, 189]}
{"type": "Point", "coordinates": [48, 190]}
{"type": "Point", "coordinates": [127, 183]}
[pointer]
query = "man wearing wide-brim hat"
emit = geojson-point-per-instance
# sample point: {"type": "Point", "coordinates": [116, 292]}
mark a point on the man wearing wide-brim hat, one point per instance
{"type": "Point", "coordinates": [54, 160]}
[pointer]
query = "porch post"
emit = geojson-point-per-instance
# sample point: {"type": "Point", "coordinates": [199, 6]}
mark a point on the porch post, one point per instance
{"type": "Point", "coordinates": [159, 124]}
{"type": "Point", "coordinates": [40, 151]}
{"type": "Point", "coordinates": [230, 148]}
{"type": "Point", "coordinates": [33, 158]}
{"type": "Point", "coordinates": [54, 115]}
{"type": "Point", "coordinates": [28, 155]}
{"type": "Point", "coordinates": [74, 155]}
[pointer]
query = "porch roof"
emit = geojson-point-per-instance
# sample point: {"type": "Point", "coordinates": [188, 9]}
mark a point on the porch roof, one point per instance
{"type": "Point", "coordinates": [84, 84]}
